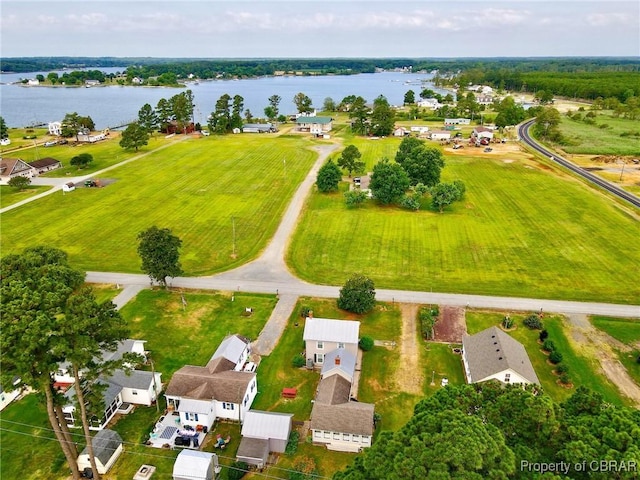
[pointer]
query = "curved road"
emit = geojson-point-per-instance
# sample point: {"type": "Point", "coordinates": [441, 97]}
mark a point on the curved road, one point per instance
{"type": "Point", "coordinates": [523, 132]}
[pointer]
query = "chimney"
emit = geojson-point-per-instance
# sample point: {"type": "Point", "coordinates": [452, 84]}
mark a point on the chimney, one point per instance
{"type": "Point", "coordinates": [337, 360]}
{"type": "Point", "coordinates": [310, 314]}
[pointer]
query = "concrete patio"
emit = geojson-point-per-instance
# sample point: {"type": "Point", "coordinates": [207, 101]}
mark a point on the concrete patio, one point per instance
{"type": "Point", "coordinates": [168, 428]}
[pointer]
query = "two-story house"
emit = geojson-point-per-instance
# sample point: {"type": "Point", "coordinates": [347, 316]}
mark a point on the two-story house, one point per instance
{"type": "Point", "coordinates": [322, 336]}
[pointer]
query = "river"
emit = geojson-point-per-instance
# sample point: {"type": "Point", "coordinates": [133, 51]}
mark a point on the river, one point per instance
{"type": "Point", "coordinates": [114, 105]}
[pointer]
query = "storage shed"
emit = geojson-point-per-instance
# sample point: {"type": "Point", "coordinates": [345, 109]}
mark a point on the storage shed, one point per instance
{"type": "Point", "coordinates": [263, 432]}
{"type": "Point", "coordinates": [107, 447]}
{"type": "Point", "coordinates": [195, 465]}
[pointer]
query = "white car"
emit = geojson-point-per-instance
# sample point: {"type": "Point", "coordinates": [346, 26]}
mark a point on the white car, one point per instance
{"type": "Point", "coordinates": [50, 144]}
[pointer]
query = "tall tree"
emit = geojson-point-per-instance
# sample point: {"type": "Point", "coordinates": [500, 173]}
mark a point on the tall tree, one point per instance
{"type": "Point", "coordinates": [4, 131]}
{"type": "Point", "coordinates": [181, 106]}
{"type": "Point", "coordinates": [220, 118]}
{"type": "Point", "coordinates": [134, 136]}
{"type": "Point", "coordinates": [159, 250]}
{"type": "Point", "coordinates": [410, 97]}
{"type": "Point", "coordinates": [274, 103]}
{"type": "Point", "coordinates": [359, 116]}
{"type": "Point", "coordinates": [71, 125]}
{"type": "Point", "coordinates": [329, 105]}
{"type": "Point", "coordinates": [148, 118]}
{"type": "Point", "coordinates": [382, 117]}
{"type": "Point", "coordinates": [350, 160]}
{"type": "Point", "coordinates": [236, 115]}
{"type": "Point", "coordinates": [89, 329]}
{"type": "Point", "coordinates": [389, 182]}
{"type": "Point", "coordinates": [81, 160]}
{"type": "Point", "coordinates": [547, 123]}
{"type": "Point", "coordinates": [509, 113]}
{"type": "Point", "coordinates": [358, 295]}
{"type": "Point", "coordinates": [164, 113]}
{"type": "Point", "coordinates": [35, 286]}
{"type": "Point", "coordinates": [302, 103]}
{"type": "Point", "coordinates": [423, 165]}
{"type": "Point", "coordinates": [19, 182]}
{"type": "Point", "coordinates": [406, 146]}
{"type": "Point", "coordinates": [329, 177]}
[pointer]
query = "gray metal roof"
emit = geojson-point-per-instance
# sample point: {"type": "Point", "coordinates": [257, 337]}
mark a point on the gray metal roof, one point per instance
{"type": "Point", "coordinates": [493, 351]}
{"type": "Point", "coordinates": [134, 379]}
{"type": "Point", "coordinates": [320, 120]}
{"type": "Point", "coordinates": [259, 424]}
{"type": "Point", "coordinates": [347, 362]}
{"type": "Point", "coordinates": [105, 443]}
{"type": "Point", "coordinates": [195, 406]}
{"type": "Point", "coordinates": [253, 448]}
{"type": "Point", "coordinates": [231, 348]}
{"type": "Point", "coordinates": [326, 330]}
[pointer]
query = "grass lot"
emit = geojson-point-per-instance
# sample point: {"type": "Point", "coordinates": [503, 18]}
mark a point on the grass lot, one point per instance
{"type": "Point", "coordinates": [104, 292]}
{"type": "Point", "coordinates": [194, 187]}
{"type": "Point", "coordinates": [583, 368]}
{"type": "Point", "coordinates": [626, 331]}
{"type": "Point", "coordinates": [9, 195]}
{"type": "Point", "coordinates": [592, 139]}
{"type": "Point", "coordinates": [522, 230]}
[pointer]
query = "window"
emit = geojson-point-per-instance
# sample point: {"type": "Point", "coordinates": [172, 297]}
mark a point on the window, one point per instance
{"type": "Point", "coordinates": [253, 385]}
{"type": "Point", "coordinates": [134, 392]}
{"type": "Point", "coordinates": [340, 345]}
{"type": "Point", "coordinates": [346, 437]}
{"type": "Point", "coordinates": [317, 433]}
{"type": "Point", "coordinates": [327, 434]}
{"type": "Point", "coordinates": [246, 399]}
{"type": "Point", "coordinates": [228, 406]}
{"type": "Point", "coordinates": [319, 357]}
{"type": "Point", "coordinates": [507, 377]}
{"type": "Point", "coordinates": [192, 417]}
{"type": "Point", "coordinates": [336, 436]}
{"type": "Point", "coordinates": [320, 345]}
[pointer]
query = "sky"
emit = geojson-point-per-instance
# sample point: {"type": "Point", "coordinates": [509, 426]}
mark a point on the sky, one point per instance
{"type": "Point", "coordinates": [315, 29]}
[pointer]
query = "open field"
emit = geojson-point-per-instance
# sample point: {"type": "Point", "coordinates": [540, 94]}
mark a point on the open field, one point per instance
{"type": "Point", "coordinates": [194, 188]}
{"type": "Point", "coordinates": [9, 195]}
{"type": "Point", "coordinates": [583, 369]}
{"type": "Point", "coordinates": [598, 140]}
{"type": "Point", "coordinates": [626, 331]}
{"type": "Point", "coordinates": [522, 230]}
{"type": "Point", "coordinates": [619, 170]}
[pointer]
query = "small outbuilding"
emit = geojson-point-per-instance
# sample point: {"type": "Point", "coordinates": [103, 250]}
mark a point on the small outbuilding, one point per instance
{"type": "Point", "coordinates": [263, 432]}
{"type": "Point", "coordinates": [107, 447]}
{"type": "Point", "coordinates": [68, 187]}
{"type": "Point", "coordinates": [195, 465]}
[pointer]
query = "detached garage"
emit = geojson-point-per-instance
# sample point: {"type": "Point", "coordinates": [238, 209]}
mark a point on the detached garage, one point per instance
{"type": "Point", "coordinates": [195, 465]}
{"type": "Point", "coordinates": [107, 447]}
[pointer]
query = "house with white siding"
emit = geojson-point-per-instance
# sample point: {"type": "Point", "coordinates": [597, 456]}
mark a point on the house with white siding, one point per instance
{"type": "Point", "coordinates": [314, 125]}
{"type": "Point", "coordinates": [322, 336]}
{"type": "Point", "coordinates": [494, 355]}
{"type": "Point", "coordinates": [15, 167]}
{"type": "Point", "coordinates": [440, 135]}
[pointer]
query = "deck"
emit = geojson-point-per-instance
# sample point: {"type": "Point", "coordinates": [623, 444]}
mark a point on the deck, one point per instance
{"type": "Point", "coordinates": [168, 428]}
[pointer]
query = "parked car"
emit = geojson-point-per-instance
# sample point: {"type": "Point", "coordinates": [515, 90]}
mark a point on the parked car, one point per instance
{"type": "Point", "coordinates": [50, 144]}
{"type": "Point", "coordinates": [356, 180]}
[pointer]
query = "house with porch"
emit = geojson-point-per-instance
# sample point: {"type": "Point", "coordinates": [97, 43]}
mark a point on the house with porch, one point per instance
{"type": "Point", "coordinates": [262, 434]}
{"type": "Point", "coordinates": [322, 336]}
{"type": "Point", "coordinates": [494, 355]}
{"type": "Point", "coordinates": [314, 125]}
{"type": "Point", "coordinates": [219, 390]}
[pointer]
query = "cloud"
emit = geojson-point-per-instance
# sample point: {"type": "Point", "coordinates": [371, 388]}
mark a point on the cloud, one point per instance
{"type": "Point", "coordinates": [609, 19]}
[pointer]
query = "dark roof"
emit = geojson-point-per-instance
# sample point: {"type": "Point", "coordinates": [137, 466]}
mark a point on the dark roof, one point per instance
{"type": "Point", "coordinates": [493, 351]}
{"type": "Point", "coordinates": [9, 166]}
{"type": "Point", "coordinates": [44, 162]}
{"type": "Point", "coordinates": [105, 443]}
{"type": "Point", "coordinates": [351, 417]}
{"type": "Point", "coordinates": [134, 379]}
{"type": "Point", "coordinates": [254, 448]}
{"type": "Point", "coordinates": [333, 390]}
{"type": "Point", "coordinates": [200, 384]}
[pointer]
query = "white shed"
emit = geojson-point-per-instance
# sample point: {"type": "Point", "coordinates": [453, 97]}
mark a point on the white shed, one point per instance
{"type": "Point", "coordinates": [107, 447]}
{"type": "Point", "coordinates": [195, 465]}
{"type": "Point", "coordinates": [68, 187]}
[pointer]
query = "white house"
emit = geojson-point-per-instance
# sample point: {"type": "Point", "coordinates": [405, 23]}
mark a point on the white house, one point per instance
{"type": "Point", "coordinates": [322, 335]}
{"type": "Point", "coordinates": [400, 132]}
{"type": "Point", "coordinates": [482, 132]}
{"type": "Point", "coordinates": [15, 167]}
{"type": "Point", "coordinates": [33, 82]}
{"type": "Point", "coordinates": [107, 447]}
{"type": "Point", "coordinates": [138, 387]}
{"type": "Point", "coordinates": [195, 465]}
{"type": "Point", "coordinates": [419, 129]}
{"type": "Point", "coordinates": [8, 396]}
{"type": "Point", "coordinates": [55, 128]}
{"type": "Point", "coordinates": [314, 125]}
{"type": "Point", "coordinates": [431, 103]}
{"type": "Point", "coordinates": [440, 135]}
{"type": "Point", "coordinates": [262, 433]}
{"type": "Point", "coordinates": [493, 354]}
{"type": "Point", "coordinates": [219, 390]}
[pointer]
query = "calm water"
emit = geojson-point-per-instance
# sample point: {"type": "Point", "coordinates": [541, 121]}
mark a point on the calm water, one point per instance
{"type": "Point", "coordinates": [110, 106]}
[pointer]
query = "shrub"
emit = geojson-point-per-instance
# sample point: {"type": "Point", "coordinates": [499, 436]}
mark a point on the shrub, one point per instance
{"type": "Point", "coordinates": [298, 361]}
{"type": "Point", "coordinates": [292, 444]}
{"type": "Point", "coordinates": [358, 295]}
{"type": "Point", "coordinates": [366, 343]}
{"type": "Point", "coordinates": [548, 346]}
{"type": "Point", "coordinates": [410, 202]}
{"type": "Point", "coordinates": [428, 318]}
{"type": "Point", "coordinates": [507, 322]}
{"type": "Point", "coordinates": [237, 470]}
{"type": "Point", "coordinates": [543, 335]}
{"type": "Point", "coordinates": [564, 379]}
{"type": "Point", "coordinates": [555, 357]}
{"type": "Point", "coordinates": [562, 369]}
{"type": "Point", "coordinates": [354, 198]}
{"type": "Point", "coordinates": [533, 322]}
{"type": "Point", "coordinates": [304, 311]}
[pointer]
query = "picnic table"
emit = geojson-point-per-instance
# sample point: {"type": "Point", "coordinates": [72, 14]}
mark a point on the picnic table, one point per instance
{"type": "Point", "coordinates": [289, 392]}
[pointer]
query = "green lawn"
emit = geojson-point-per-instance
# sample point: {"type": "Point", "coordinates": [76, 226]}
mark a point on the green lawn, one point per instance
{"type": "Point", "coordinates": [592, 139]}
{"type": "Point", "coordinates": [584, 369]}
{"type": "Point", "coordinates": [522, 230]}
{"type": "Point", "coordinates": [626, 330]}
{"type": "Point", "coordinates": [10, 195]}
{"type": "Point", "coordinates": [194, 187]}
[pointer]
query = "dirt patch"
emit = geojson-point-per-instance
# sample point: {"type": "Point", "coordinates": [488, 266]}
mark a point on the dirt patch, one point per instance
{"type": "Point", "coordinates": [409, 376]}
{"type": "Point", "coordinates": [601, 346]}
{"type": "Point", "coordinates": [451, 325]}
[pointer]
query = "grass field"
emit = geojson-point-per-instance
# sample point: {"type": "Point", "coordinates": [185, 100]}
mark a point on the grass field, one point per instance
{"type": "Point", "coordinates": [593, 139]}
{"type": "Point", "coordinates": [194, 187]}
{"type": "Point", "coordinates": [10, 195]}
{"type": "Point", "coordinates": [584, 369]}
{"type": "Point", "coordinates": [522, 230]}
{"type": "Point", "coordinates": [625, 330]}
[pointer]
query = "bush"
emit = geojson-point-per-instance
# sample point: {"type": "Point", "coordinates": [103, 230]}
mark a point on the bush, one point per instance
{"type": "Point", "coordinates": [562, 369]}
{"type": "Point", "coordinates": [533, 322]}
{"type": "Point", "coordinates": [298, 361]}
{"type": "Point", "coordinates": [292, 444]}
{"type": "Point", "coordinates": [428, 318]}
{"type": "Point", "coordinates": [410, 202]}
{"type": "Point", "coordinates": [564, 379]}
{"type": "Point", "coordinates": [507, 322]}
{"type": "Point", "coordinates": [548, 346]}
{"type": "Point", "coordinates": [543, 335]}
{"type": "Point", "coordinates": [304, 311]}
{"type": "Point", "coordinates": [354, 198]}
{"type": "Point", "coordinates": [358, 295]}
{"type": "Point", "coordinates": [555, 357]}
{"type": "Point", "coordinates": [237, 470]}
{"type": "Point", "coordinates": [366, 343]}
